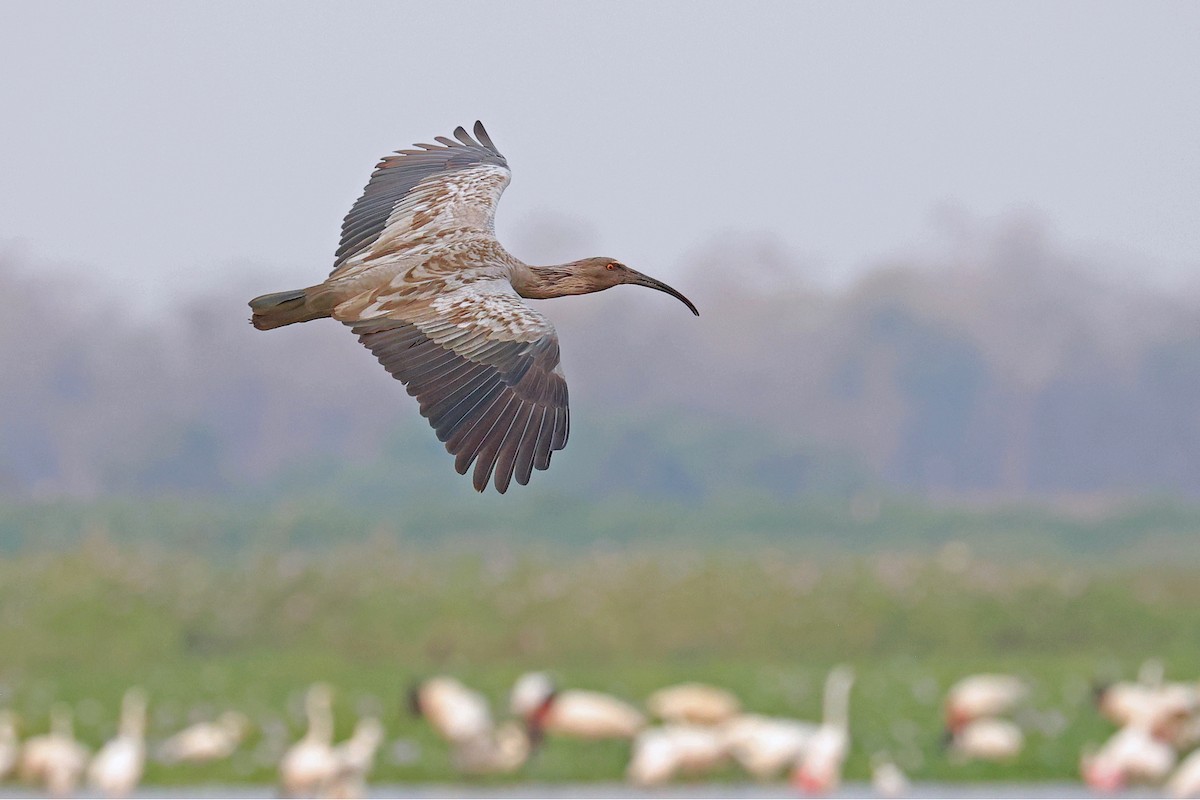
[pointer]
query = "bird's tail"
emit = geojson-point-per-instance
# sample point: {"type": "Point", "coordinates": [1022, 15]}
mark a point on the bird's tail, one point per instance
{"type": "Point", "coordinates": [282, 308]}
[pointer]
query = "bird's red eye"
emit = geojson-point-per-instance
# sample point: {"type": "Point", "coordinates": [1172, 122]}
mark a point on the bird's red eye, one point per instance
{"type": "Point", "coordinates": [611, 266]}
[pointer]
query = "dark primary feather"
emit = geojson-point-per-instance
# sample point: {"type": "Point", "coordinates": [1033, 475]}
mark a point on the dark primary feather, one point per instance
{"type": "Point", "coordinates": [503, 410]}
{"type": "Point", "coordinates": [397, 174]}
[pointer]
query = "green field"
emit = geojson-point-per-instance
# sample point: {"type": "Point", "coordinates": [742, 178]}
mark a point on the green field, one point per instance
{"type": "Point", "coordinates": [250, 630]}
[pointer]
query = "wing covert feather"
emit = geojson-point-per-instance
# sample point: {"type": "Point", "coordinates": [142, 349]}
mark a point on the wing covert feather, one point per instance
{"type": "Point", "coordinates": [418, 193]}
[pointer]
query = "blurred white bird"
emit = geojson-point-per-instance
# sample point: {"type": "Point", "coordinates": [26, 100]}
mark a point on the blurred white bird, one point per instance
{"type": "Point", "coordinates": [309, 765]}
{"type": "Point", "coordinates": [10, 747]}
{"type": "Point", "coordinates": [765, 746]}
{"type": "Point", "coordinates": [819, 768]}
{"type": "Point", "coordinates": [1131, 755]}
{"type": "Point", "coordinates": [498, 752]}
{"type": "Point", "coordinates": [660, 754]}
{"type": "Point", "coordinates": [695, 703]}
{"type": "Point", "coordinates": [887, 779]}
{"type": "Point", "coordinates": [54, 760]}
{"type": "Point", "coordinates": [573, 712]}
{"type": "Point", "coordinates": [462, 717]}
{"type": "Point", "coordinates": [983, 695]}
{"type": "Point", "coordinates": [1167, 709]}
{"type": "Point", "coordinates": [1121, 701]}
{"type": "Point", "coordinates": [355, 758]}
{"type": "Point", "coordinates": [1185, 780]}
{"type": "Point", "coordinates": [986, 739]}
{"type": "Point", "coordinates": [456, 713]}
{"type": "Point", "coordinates": [205, 741]}
{"type": "Point", "coordinates": [117, 767]}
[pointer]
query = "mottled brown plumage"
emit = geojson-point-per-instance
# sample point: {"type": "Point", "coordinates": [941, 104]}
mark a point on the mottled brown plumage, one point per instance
{"type": "Point", "coordinates": [422, 281]}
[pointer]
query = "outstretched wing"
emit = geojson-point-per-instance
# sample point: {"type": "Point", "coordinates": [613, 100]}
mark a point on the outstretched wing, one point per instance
{"type": "Point", "coordinates": [485, 369]}
{"type": "Point", "coordinates": [425, 196]}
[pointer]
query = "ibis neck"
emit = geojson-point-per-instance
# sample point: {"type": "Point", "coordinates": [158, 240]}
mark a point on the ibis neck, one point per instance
{"type": "Point", "coordinates": [539, 283]}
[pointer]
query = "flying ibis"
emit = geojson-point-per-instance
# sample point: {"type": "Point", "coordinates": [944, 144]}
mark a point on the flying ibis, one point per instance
{"type": "Point", "coordinates": [421, 279]}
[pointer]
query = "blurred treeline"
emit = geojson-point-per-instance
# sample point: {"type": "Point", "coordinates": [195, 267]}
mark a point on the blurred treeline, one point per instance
{"type": "Point", "coordinates": [999, 367]}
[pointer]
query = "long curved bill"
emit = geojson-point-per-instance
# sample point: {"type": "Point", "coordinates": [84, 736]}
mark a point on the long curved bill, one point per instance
{"type": "Point", "coordinates": [638, 279]}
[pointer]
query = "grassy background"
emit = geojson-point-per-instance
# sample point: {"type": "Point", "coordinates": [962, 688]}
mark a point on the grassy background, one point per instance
{"type": "Point", "coordinates": [204, 630]}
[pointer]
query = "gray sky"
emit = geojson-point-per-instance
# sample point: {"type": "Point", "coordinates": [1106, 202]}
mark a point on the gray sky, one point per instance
{"type": "Point", "coordinates": [170, 145]}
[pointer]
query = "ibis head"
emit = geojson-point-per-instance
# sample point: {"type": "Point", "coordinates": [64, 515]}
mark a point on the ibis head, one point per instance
{"type": "Point", "coordinates": [589, 275]}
